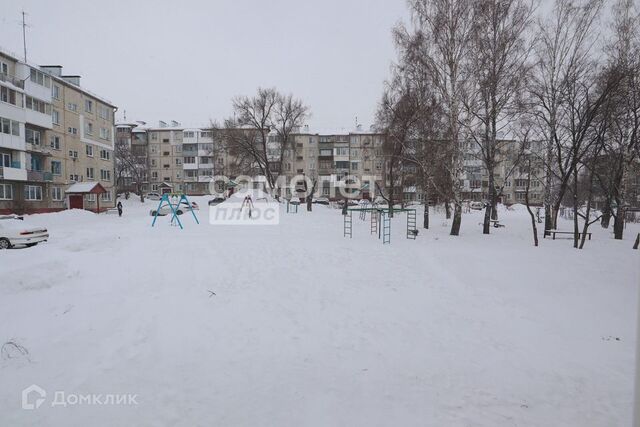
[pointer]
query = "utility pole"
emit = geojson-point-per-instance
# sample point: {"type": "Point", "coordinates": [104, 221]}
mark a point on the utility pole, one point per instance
{"type": "Point", "coordinates": [24, 35]}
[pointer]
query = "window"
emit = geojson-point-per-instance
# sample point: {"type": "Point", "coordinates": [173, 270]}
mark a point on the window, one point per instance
{"type": "Point", "coordinates": [106, 197]}
{"type": "Point", "coordinates": [154, 149]}
{"type": "Point", "coordinates": [188, 134]}
{"type": "Point", "coordinates": [166, 153]}
{"type": "Point", "coordinates": [104, 133]}
{"type": "Point", "coordinates": [37, 105]}
{"type": "Point", "coordinates": [55, 92]}
{"type": "Point", "coordinates": [89, 150]}
{"type": "Point", "coordinates": [354, 166]}
{"type": "Point", "coordinates": [7, 95]}
{"type": "Point", "coordinates": [4, 68]}
{"type": "Point", "coordinates": [154, 136]}
{"type": "Point", "coordinates": [178, 161]}
{"type": "Point", "coordinates": [32, 192]}
{"type": "Point", "coordinates": [88, 130]}
{"type": "Point", "coordinates": [56, 167]}
{"type": "Point", "coordinates": [326, 152]}
{"type": "Point", "coordinates": [342, 151]}
{"type": "Point", "coordinates": [189, 160]}
{"type": "Point", "coordinates": [88, 106]}
{"type": "Point", "coordinates": [105, 175]}
{"type": "Point", "coordinates": [206, 134]}
{"type": "Point", "coordinates": [6, 192]}
{"type": "Point", "coordinates": [72, 130]}
{"type": "Point", "coordinates": [165, 140]}
{"type": "Point", "coordinates": [154, 162]}
{"type": "Point", "coordinates": [154, 175]}
{"type": "Point", "coordinates": [105, 154]}
{"type": "Point", "coordinates": [90, 173]}
{"type": "Point", "coordinates": [5, 160]}
{"type": "Point", "coordinates": [72, 107]}
{"type": "Point", "coordinates": [73, 178]}
{"type": "Point", "coordinates": [73, 154]}
{"type": "Point", "coordinates": [40, 78]}
{"type": "Point", "coordinates": [32, 136]}
{"type": "Point", "coordinates": [91, 197]}
{"type": "Point", "coordinates": [103, 112]}
{"type": "Point", "coordinates": [10, 127]}
{"type": "Point", "coordinates": [55, 117]}
{"type": "Point", "coordinates": [56, 193]}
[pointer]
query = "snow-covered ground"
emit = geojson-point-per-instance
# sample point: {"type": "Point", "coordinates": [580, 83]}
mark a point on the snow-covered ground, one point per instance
{"type": "Point", "coordinates": [295, 325]}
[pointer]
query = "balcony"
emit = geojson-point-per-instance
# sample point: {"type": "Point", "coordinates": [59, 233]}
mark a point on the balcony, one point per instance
{"type": "Point", "coordinates": [39, 176]}
{"type": "Point", "coordinates": [205, 166]}
{"type": "Point", "coordinates": [13, 173]}
{"type": "Point", "coordinates": [38, 148]}
{"type": "Point", "coordinates": [189, 166]}
{"type": "Point", "coordinates": [8, 78]}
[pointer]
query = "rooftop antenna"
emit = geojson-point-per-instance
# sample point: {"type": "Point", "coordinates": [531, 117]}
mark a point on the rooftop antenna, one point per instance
{"type": "Point", "coordinates": [356, 122]}
{"type": "Point", "coordinates": [125, 115]}
{"type": "Point", "coordinates": [24, 34]}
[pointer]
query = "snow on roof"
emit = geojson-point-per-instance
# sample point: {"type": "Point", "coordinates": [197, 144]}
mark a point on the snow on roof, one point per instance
{"type": "Point", "coordinates": [85, 187]}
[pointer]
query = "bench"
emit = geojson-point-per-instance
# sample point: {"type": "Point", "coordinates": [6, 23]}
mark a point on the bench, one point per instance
{"type": "Point", "coordinates": [553, 233]}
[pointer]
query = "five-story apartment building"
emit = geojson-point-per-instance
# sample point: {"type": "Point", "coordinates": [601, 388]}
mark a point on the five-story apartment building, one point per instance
{"type": "Point", "coordinates": [53, 133]}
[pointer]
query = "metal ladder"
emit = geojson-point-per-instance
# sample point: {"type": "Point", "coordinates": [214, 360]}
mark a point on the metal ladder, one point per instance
{"type": "Point", "coordinates": [386, 228]}
{"type": "Point", "coordinates": [374, 222]}
{"type": "Point", "coordinates": [348, 225]}
{"type": "Point", "coordinates": [411, 225]}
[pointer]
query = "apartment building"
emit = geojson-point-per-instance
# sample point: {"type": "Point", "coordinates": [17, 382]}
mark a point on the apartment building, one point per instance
{"type": "Point", "coordinates": [53, 133]}
{"type": "Point", "coordinates": [510, 179]}
{"type": "Point", "coordinates": [178, 159]}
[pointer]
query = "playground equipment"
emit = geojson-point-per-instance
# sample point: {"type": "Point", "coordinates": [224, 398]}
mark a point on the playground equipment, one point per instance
{"type": "Point", "coordinates": [173, 201]}
{"type": "Point", "coordinates": [380, 222]}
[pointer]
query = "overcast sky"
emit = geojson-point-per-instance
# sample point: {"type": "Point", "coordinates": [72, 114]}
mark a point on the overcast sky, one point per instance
{"type": "Point", "coordinates": [185, 60]}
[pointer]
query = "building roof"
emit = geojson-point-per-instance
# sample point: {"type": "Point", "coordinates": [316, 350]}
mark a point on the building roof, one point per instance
{"type": "Point", "coordinates": [86, 188]}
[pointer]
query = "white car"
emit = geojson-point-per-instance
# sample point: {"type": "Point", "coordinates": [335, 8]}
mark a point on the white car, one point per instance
{"type": "Point", "coordinates": [14, 232]}
{"type": "Point", "coordinates": [153, 196]}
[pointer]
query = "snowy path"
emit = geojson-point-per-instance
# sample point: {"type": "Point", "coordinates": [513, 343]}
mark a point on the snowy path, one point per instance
{"type": "Point", "coordinates": [310, 328]}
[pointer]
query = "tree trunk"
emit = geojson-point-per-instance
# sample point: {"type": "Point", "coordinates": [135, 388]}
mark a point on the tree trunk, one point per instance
{"type": "Point", "coordinates": [637, 243]}
{"type": "Point", "coordinates": [457, 219]}
{"type": "Point", "coordinates": [309, 201]}
{"type": "Point", "coordinates": [606, 216]}
{"type": "Point", "coordinates": [425, 217]}
{"type": "Point", "coordinates": [576, 228]}
{"type": "Point", "coordinates": [618, 223]}
{"type": "Point", "coordinates": [447, 210]}
{"type": "Point", "coordinates": [488, 214]}
{"type": "Point", "coordinates": [548, 218]}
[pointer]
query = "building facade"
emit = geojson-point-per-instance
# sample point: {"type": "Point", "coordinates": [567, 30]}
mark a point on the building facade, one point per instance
{"type": "Point", "coordinates": [53, 133]}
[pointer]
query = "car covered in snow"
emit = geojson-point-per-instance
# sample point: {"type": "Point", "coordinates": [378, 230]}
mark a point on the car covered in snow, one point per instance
{"type": "Point", "coordinates": [322, 201]}
{"type": "Point", "coordinates": [15, 232]}
{"type": "Point", "coordinates": [180, 209]}
{"type": "Point", "coordinates": [153, 196]}
{"type": "Point", "coordinates": [477, 206]}
{"type": "Point", "coordinates": [216, 201]}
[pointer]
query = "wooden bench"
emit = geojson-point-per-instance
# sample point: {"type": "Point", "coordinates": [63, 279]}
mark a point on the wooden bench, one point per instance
{"type": "Point", "coordinates": [553, 233]}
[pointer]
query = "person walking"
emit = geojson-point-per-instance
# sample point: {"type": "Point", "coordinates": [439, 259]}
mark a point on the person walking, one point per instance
{"type": "Point", "coordinates": [119, 206]}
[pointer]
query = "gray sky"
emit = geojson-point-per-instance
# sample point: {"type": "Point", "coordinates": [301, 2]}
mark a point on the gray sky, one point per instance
{"type": "Point", "coordinates": [157, 60]}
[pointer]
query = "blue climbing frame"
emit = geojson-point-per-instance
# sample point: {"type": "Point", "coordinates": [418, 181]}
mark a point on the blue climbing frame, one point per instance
{"type": "Point", "coordinates": [174, 212]}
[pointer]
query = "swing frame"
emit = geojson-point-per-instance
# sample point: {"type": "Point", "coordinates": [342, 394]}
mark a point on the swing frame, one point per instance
{"type": "Point", "coordinates": [174, 212]}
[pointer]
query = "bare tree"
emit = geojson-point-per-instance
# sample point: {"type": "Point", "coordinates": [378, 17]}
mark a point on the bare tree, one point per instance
{"type": "Point", "coordinates": [247, 134]}
{"type": "Point", "coordinates": [562, 51]}
{"type": "Point", "coordinates": [624, 136]}
{"type": "Point", "coordinates": [501, 67]}
{"type": "Point", "coordinates": [442, 42]}
{"type": "Point", "coordinates": [131, 164]}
